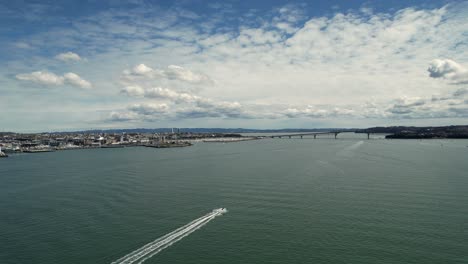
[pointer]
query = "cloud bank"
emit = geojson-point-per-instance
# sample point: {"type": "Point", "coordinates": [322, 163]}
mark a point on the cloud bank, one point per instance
{"type": "Point", "coordinates": [286, 66]}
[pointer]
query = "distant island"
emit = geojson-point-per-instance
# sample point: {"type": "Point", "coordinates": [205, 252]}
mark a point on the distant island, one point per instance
{"type": "Point", "coordinates": [411, 132]}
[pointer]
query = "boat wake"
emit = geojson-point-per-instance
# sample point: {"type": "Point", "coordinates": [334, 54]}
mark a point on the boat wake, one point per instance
{"type": "Point", "coordinates": [149, 250]}
{"type": "Point", "coordinates": [348, 151]}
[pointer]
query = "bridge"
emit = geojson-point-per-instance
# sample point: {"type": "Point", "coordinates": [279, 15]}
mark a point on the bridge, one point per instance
{"type": "Point", "coordinates": [315, 134]}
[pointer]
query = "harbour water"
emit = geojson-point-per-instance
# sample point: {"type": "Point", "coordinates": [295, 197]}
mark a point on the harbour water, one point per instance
{"type": "Point", "coordinates": [349, 200]}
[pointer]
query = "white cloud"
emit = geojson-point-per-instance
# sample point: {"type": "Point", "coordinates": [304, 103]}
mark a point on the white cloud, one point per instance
{"type": "Point", "coordinates": [312, 111]}
{"type": "Point", "coordinates": [405, 105]}
{"type": "Point", "coordinates": [287, 27]}
{"type": "Point", "coordinates": [308, 111]}
{"type": "Point", "coordinates": [210, 108]}
{"type": "Point", "coordinates": [68, 56]}
{"type": "Point", "coordinates": [419, 108]}
{"type": "Point", "coordinates": [142, 69]}
{"type": "Point", "coordinates": [75, 80]}
{"type": "Point", "coordinates": [41, 77]}
{"type": "Point", "coordinates": [173, 72]}
{"type": "Point", "coordinates": [133, 90]}
{"type": "Point", "coordinates": [181, 98]}
{"type": "Point", "coordinates": [288, 17]}
{"type": "Point", "coordinates": [448, 69]}
{"type": "Point", "coordinates": [257, 36]}
{"type": "Point", "coordinates": [49, 78]}
{"type": "Point", "coordinates": [164, 93]}
{"type": "Point", "coordinates": [121, 116]}
{"type": "Point", "coordinates": [149, 108]}
{"type": "Point", "coordinates": [356, 66]}
{"type": "Point", "coordinates": [184, 105]}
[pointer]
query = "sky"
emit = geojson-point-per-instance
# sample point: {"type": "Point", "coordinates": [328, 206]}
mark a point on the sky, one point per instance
{"type": "Point", "coordinates": [72, 65]}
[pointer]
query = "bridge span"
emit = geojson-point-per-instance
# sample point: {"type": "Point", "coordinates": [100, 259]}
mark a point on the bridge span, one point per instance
{"type": "Point", "coordinates": [315, 134]}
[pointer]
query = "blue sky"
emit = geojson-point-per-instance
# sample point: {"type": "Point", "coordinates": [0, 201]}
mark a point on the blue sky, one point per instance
{"type": "Point", "coordinates": [258, 64]}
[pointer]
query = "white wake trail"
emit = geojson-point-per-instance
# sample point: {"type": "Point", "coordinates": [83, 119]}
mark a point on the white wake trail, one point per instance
{"type": "Point", "coordinates": [162, 242]}
{"type": "Point", "coordinates": [156, 246]}
{"type": "Point", "coordinates": [348, 151]}
{"type": "Point", "coordinates": [171, 242]}
{"type": "Point", "coordinates": [129, 258]}
{"type": "Point", "coordinates": [355, 145]}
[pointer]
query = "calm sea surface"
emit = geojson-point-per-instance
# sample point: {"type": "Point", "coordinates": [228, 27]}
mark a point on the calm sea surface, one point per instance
{"type": "Point", "coordinates": [350, 200]}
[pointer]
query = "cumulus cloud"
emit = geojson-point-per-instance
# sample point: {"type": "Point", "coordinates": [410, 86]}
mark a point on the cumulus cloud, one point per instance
{"type": "Point", "coordinates": [184, 105]}
{"type": "Point", "coordinates": [151, 112]}
{"type": "Point", "coordinates": [133, 90]}
{"type": "Point", "coordinates": [257, 36]}
{"type": "Point", "coordinates": [189, 106]}
{"type": "Point", "coordinates": [308, 111]}
{"type": "Point", "coordinates": [164, 93]}
{"type": "Point", "coordinates": [49, 78]}
{"type": "Point", "coordinates": [312, 111]}
{"type": "Point", "coordinates": [172, 72]}
{"type": "Point", "coordinates": [448, 69]}
{"type": "Point", "coordinates": [149, 108]}
{"type": "Point", "coordinates": [287, 18]}
{"type": "Point", "coordinates": [142, 69]}
{"type": "Point", "coordinates": [175, 72]}
{"type": "Point", "coordinates": [419, 108]}
{"type": "Point", "coordinates": [210, 108]}
{"type": "Point", "coordinates": [68, 56]}
{"type": "Point", "coordinates": [197, 112]}
{"type": "Point", "coordinates": [41, 77]}
{"type": "Point", "coordinates": [121, 116]}
{"type": "Point", "coordinates": [405, 105]}
{"type": "Point", "coordinates": [75, 80]}
{"type": "Point", "coordinates": [284, 65]}
{"type": "Point", "coordinates": [179, 98]}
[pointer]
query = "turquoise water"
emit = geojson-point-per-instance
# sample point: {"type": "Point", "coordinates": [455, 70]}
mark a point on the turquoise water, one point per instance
{"type": "Point", "coordinates": [350, 200]}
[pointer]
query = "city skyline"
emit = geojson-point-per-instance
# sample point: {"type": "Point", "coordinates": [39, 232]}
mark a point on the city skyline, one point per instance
{"type": "Point", "coordinates": [205, 64]}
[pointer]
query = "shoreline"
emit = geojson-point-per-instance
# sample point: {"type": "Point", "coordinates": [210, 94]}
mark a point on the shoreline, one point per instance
{"type": "Point", "coordinates": [186, 143]}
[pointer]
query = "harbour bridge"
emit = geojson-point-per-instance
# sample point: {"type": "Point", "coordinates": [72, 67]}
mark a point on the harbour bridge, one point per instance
{"type": "Point", "coordinates": [315, 134]}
